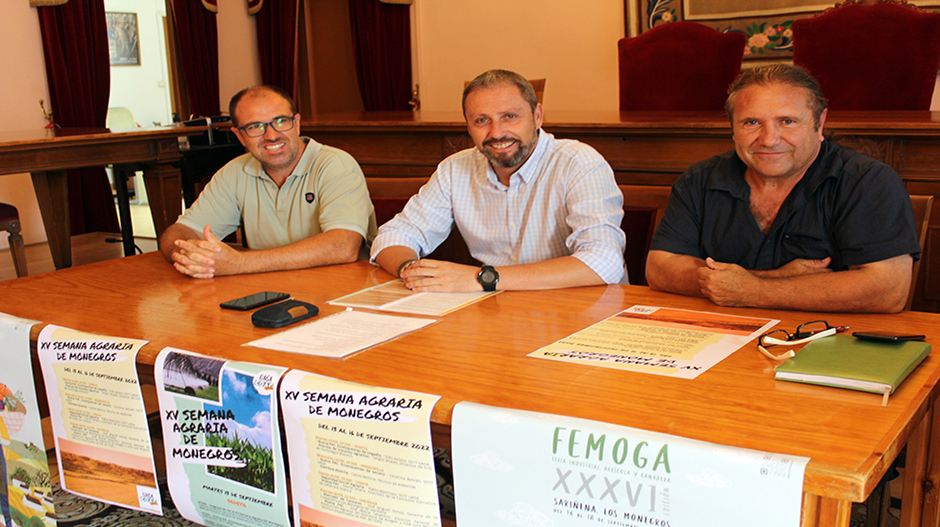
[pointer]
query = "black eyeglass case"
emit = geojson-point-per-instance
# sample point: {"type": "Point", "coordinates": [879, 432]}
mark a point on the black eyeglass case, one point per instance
{"type": "Point", "coordinates": [283, 313]}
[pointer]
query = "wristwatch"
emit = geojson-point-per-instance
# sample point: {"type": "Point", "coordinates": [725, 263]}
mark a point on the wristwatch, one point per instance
{"type": "Point", "coordinates": [488, 277]}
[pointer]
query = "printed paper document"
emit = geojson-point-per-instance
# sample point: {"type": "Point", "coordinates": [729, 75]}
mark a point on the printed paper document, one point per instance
{"type": "Point", "coordinates": [340, 334]}
{"type": "Point", "coordinates": [394, 296]}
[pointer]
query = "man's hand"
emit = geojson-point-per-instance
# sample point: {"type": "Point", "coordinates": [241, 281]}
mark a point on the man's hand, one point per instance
{"type": "Point", "coordinates": [205, 258]}
{"type": "Point", "coordinates": [726, 284]}
{"type": "Point", "coordinates": [436, 275]}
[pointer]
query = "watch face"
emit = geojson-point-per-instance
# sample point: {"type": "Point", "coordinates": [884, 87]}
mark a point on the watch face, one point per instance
{"type": "Point", "coordinates": [487, 276]}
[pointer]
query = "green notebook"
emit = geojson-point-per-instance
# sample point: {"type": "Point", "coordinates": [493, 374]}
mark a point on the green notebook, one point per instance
{"type": "Point", "coordinates": [847, 362]}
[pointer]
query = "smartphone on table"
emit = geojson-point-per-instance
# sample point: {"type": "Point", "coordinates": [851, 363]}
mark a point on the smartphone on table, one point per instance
{"type": "Point", "coordinates": [886, 336]}
{"type": "Point", "coordinates": [256, 300]}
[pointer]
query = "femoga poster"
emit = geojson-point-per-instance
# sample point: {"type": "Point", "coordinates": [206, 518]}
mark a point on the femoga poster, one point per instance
{"type": "Point", "coordinates": [513, 467]}
{"type": "Point", "coordinates": [223, 445]}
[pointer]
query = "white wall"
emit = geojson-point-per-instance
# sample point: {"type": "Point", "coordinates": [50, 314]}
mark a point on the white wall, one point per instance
{"type": "Point", "coordinates": [24, 75]}
{"type": "Point", "coordinates": [239, 66]}
{"type": "Point", "coordinates": [572, 44]}
{"type": "Point", "coordinates": [144, 89]}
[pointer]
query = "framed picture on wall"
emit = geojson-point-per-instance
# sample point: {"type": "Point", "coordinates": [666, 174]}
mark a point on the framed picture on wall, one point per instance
{"type": "Point", "coordinates": [123, 45]}
{"type": "Point", "coordinates": [766, 24]}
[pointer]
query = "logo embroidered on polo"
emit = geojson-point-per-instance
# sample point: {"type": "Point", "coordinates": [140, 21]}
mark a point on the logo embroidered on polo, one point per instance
{"type": "Point", "coordinates": [309, 197]}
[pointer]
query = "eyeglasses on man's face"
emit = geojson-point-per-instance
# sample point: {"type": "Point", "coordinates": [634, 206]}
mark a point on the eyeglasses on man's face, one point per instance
{"type": "Point", "coordinates": [806, 332]}
{"type": "Point", "coordinates": [280, 124]}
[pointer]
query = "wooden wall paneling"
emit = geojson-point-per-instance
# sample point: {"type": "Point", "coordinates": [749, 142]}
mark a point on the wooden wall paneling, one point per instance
{"type": "Point", "coordinates": [920, 156]}
{"type": "Point", "coordinates": [880, 148]}
{"type": "Point", "coordinates": [650, 152]}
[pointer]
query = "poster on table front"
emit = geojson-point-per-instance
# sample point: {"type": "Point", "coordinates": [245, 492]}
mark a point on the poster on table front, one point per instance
{"type": "Point", "coordinates": [98, 418]}
{"type": "Point", "coordinates": [513, 467]}
{"type": "Point", "coordinates": [25, 482]}
{"type": "Point", "coordinates": [360, 456]}
{"type": "Point", "coordinates": [224, 462]}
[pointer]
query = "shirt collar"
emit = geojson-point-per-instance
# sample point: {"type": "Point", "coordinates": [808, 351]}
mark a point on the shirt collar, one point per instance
{"type": "Point", "coordinates": [529, 168]}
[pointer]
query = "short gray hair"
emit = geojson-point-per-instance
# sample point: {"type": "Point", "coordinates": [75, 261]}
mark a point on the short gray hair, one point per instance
{"type": "Point", "coordinates": [500, 78]}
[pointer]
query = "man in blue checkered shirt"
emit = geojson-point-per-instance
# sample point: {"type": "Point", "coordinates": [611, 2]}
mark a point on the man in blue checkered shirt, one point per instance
{"type": "Point", "coordinates": [538, 212]}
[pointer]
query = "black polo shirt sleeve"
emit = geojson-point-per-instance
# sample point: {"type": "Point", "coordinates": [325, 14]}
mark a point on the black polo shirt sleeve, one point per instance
{"type": "Point", "coordinates": [872, 216]}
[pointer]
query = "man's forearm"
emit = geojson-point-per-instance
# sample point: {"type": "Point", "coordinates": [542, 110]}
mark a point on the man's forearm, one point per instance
{"type": "Point", "coordinates": [674, 273]}
{"type": "Point", "coordinates": [557, 273]}
{"type": "Point", "coordinates": [877, 287]}
{"type": "Point", "coordinates": [176, 231]}
{"type": "Point", "coordinates": [428, 275]}
{"type": "Point", "coordinates": [391, 258]}
{"type": "Point", "coordinates": [854, 290]}
{"type": "Point", "coordinates": [328, 248]}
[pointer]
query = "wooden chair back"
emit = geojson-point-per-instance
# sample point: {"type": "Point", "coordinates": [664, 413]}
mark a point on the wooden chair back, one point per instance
{"type": "Point", "coordinates": [10, 222]}
{"type": "Point", "coordinates": [643, 208]}
{"type": "Point", "coordinates": [391, 194]}
{"type": "Point", "coordinates": [922, 206]}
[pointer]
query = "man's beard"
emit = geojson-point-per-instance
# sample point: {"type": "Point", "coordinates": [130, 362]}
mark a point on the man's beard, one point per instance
{"type": "Point", "coordinates": [508, 161]}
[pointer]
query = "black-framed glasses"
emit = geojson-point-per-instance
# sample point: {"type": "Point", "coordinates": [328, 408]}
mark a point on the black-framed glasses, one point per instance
{"type": "Point", "coordinates": [804, 333]}
{"type": "Point", "coordinates": [281, 124]}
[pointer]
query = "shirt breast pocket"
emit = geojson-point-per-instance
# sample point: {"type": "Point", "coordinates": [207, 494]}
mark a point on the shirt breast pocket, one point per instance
{"type": "Point", "coordinates": [805, 244]}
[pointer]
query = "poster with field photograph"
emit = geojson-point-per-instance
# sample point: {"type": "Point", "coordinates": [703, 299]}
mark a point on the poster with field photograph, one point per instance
{"type": "Point", "coordinates": [98, 418]}
{"type": "Point", "coordinates": [223, 446]}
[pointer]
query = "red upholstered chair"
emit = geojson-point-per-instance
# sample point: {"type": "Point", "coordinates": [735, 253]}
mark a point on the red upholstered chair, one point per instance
{"type": "Point", "coordinates": [882, 56]}
{"type": "Point", "coordinates": [679, 66]}
{"type": "Point", "coordinates": [10, 222]}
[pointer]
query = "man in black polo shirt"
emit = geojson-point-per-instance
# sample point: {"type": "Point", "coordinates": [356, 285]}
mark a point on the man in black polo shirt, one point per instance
{"type": "Point", "coordinates": [787, 219]}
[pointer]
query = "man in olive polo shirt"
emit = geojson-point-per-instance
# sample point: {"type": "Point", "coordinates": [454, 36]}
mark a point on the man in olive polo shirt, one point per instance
{"type": "Point", "coordinates": [302, 204]}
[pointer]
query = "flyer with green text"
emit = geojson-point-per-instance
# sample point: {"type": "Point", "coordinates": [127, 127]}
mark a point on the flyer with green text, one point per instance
{"type": "Point", "coordinates": [360, 456]}
{"type": "Point", "coordinates": [224, 462]}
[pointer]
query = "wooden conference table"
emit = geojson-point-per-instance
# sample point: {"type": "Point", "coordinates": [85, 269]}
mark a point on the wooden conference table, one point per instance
{"type": "Point", "coordinates": [47, 154]}
{"type": "Point", "coordinates": [479, 354]}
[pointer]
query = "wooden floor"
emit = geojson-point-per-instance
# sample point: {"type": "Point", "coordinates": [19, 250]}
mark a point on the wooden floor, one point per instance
{"type": "Point", "coordinates": [86, 248]}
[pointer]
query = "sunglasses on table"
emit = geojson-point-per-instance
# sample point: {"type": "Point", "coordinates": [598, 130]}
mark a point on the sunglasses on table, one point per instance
{"type": "Point", "coordinates": [807, 332]}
